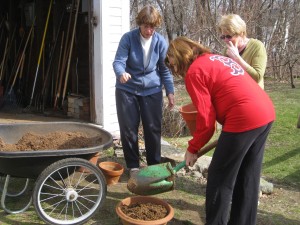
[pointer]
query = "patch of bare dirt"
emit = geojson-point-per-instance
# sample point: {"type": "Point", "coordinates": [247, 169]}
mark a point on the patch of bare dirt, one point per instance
{"type": "Point", "coordinates": [52, 141]}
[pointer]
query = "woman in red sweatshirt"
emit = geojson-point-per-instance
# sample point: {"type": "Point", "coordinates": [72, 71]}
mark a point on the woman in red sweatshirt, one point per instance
{"type": "Point", "coordinates": [223, 91]}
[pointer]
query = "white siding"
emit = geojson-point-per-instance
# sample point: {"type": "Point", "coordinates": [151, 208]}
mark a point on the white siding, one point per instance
{"type": "Point", "coordinates": [113, 22]}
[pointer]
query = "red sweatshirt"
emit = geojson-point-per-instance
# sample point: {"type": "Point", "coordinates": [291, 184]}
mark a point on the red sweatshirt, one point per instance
{"type": "Point", "coordinates": [221, 90]}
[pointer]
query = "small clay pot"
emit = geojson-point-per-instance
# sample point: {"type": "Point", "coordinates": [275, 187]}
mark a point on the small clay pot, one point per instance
{"type": "Point", "coordinates": [112, 171]}
{"type": "Point", "coordinates": [126, 220]}
{"type": "Point", "coordinates": [93, 159]}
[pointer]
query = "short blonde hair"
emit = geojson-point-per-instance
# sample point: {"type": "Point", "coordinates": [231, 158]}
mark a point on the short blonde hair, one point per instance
{"type": "Point", "coordinates": [183, 51]}
{"type": "Point", "coordinates": [232, 24]}
{"type": "Point", "coordinates": [150, 16]}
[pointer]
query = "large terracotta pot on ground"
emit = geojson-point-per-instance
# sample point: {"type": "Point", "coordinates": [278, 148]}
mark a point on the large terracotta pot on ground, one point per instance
{"type": "Point", "coordinates": [126, 220]}
{"type": "Point", "coordinates": [112, 171]}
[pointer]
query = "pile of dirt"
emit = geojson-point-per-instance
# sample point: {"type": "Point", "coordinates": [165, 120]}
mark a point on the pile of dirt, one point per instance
{"type": "Point", "coordinates": [145, 211]}
{"type": "Point", "coordinates": [52, 141]}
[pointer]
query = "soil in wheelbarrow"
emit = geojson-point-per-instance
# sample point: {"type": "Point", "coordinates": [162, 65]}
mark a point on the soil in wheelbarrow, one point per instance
{"type": "Point", "coordinates": [145, 211]}
{"type": "Point", "coordinates": [54, 140]}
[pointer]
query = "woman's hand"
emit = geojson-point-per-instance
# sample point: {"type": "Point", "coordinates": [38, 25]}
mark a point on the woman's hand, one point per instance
{"type": "Point", "coordinates": [232, 50]}
{"type": "Point", "coordinates": [190, 158]}
{"type": "Point", "coordinates": [171, 101]}
{"type": "Point", "coordinates": [125, 77]}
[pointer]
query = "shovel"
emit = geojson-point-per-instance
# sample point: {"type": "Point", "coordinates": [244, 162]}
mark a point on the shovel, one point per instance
{"type": "Point", "coordinates": [159, 178]}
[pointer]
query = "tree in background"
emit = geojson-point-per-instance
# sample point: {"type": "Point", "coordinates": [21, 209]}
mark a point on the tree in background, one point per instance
{"type": "Point", "coordinates": [274, 22]}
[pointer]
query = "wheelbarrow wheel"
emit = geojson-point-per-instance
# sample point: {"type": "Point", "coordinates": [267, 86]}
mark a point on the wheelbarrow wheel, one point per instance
{"type": "Point", "coordinates": [65, 194]}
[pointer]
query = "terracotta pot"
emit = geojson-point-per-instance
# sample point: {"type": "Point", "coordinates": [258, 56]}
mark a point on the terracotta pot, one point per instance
{"type": "Point", "coordinates": [93, 159]}
{"type": "Point", "coordinates": [112, 171]}
{"type": "Point", "coordinates": [126, 220]}
{"type": "Point", "coordinates": [189, 114]}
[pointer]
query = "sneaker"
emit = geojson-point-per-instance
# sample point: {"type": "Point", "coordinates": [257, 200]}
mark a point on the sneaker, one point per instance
{"type": "Point", "coordinates": [133, 172]}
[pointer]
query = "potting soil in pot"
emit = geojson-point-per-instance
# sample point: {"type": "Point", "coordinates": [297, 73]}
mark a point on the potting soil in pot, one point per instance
{"type": "Point", "coordinates": [145, 211]}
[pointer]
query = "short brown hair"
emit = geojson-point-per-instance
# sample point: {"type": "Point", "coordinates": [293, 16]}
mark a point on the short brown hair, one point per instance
{"type": "Point", "coordinates": [150, 16]}
{"type": "Point", "coordinates": [184, 51]}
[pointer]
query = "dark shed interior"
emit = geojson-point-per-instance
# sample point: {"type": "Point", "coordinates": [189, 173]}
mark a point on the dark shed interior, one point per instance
{"type": "Point", "coordinates": [44, 54]}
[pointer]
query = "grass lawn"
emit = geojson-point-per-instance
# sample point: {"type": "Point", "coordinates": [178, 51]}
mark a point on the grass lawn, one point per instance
{"type": "Point", "coordinates": [282, 153]}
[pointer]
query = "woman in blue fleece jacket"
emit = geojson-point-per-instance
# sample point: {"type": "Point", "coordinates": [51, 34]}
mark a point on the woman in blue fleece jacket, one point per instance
{"type": "Point", "coordinates": [140, 77]}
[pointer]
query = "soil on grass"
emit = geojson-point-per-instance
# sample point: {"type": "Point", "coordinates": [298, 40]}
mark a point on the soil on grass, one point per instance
{"type": "Point", "coordinates": [145, 211]}
{"type": "Point", "coordinates": [52, 141]}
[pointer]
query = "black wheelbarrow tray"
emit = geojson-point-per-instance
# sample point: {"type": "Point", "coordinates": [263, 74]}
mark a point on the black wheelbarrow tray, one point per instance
{"type": "Point", "coordinates": [67, 188]}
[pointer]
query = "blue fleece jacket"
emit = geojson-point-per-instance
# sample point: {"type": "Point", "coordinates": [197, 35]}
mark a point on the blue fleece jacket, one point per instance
{"type": "Point", "coordinates": [148, 79]}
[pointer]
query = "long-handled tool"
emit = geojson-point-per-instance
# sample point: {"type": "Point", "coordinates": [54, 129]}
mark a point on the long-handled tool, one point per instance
{"type": "Point", "coordinates": [40, 54]}
{"type": "Point", "coordinates": [3, 59]}
{"type": "Point", "coordinates": [70, 53]}
{"type": "Point", "coordinates": [64, 59]}
{"type": "Point", "coordinates": [10, 97]}
{"type": "Point", "coordinates": [44, 91]}
{"type": "Point", "coordinates": [159, 178]}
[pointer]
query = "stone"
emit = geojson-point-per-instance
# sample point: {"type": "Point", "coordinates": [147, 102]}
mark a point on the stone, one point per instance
{"type": "Point", "coordinates": [203, 163]}
{"type": "Point", "coordinates": [175, 154]}
{"type": "Point", "coordinates": [266, 187]}
{"type": "Point", "coordinates": [197, 174]}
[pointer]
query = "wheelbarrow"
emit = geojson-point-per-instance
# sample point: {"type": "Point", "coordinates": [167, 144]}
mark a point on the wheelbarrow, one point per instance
{"type": "Point", "coordinates": [156, 179]}
{"type": "Point", "coordinates": [68, 189]}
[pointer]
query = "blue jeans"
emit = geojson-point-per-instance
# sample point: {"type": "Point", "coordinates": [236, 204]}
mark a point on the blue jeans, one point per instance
{"type": "Point", "coordinates": [132, 109]}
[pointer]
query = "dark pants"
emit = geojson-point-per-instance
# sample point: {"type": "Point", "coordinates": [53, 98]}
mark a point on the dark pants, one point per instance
{"type": "Point", "coordinates": [131, 109]}
{"type": "Point", "coordinates": [234, 176]}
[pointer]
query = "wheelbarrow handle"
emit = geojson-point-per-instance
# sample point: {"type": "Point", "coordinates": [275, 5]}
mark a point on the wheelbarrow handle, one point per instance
{"type": "Point", "coordinates": [200, 153]}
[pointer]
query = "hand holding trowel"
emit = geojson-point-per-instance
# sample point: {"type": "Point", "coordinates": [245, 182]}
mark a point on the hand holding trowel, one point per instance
{"type": "Point", "coordinates": [159, 178]}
